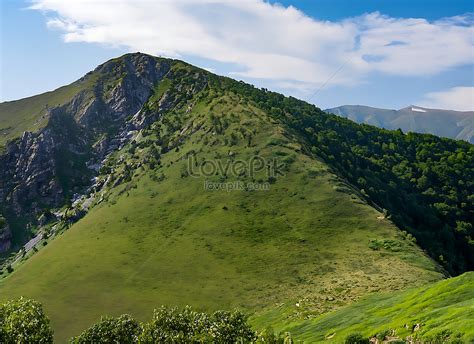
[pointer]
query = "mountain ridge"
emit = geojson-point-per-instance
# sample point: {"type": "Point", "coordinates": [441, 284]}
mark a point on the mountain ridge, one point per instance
{"type": "Point", "coordinates": [447, 123]}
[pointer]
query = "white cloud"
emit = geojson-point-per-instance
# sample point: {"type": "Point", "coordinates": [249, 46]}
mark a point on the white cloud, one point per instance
{"type": "Point", "coordinates": [268, 41]}
{"type": "Point", "coordinates": [456, 98]}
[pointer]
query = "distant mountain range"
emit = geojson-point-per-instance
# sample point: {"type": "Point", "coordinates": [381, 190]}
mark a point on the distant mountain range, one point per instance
{"type": "Point", "coordinates": [453, 124]}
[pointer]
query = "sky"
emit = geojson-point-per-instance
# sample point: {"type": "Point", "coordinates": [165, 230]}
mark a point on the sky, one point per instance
{"type": "Point", "coordinates": [381, 53]}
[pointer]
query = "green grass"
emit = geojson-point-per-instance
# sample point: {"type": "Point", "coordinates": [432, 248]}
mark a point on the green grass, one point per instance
{"type": "Point", "coordinates": [30, 114]}
{"type": "Point", "coordinates": [154, 242]}
{"type": "Point", "coordinates": [446, 306]}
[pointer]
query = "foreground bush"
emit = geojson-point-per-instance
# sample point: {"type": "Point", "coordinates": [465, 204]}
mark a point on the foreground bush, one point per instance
{"type": "Point", "coordinates": [172, 325]}
{"type": "Point", "coordinates": [123, 330]}
{"type": "Point", "coordinates": [188, 326]}
{"type": "Point", "coordinates": [23, 321]}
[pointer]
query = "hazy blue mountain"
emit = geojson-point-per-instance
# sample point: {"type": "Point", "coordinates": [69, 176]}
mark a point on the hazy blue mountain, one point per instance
{"type": "Point", "coordinates": [448, 123]}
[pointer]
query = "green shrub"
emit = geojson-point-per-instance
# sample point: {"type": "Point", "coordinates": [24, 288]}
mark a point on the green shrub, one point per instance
{"type": "Point", "coordinates": [172, 325]}
{"type": "Point", "coordinates": [269, 337]}
{"type": "Point", "coordinates": [356, 338]}
{"type": "Point", "coordinates": [443, 336]}
{"type": "Point", "coordinates": [23, 321]}
{"type": "Point", "coordinates": [230, 327]}
{"type": "Point", "coordinates": [382, 334]}
{"type": "Point", "coordinates": [188, 326]}
{"type": "Point", "coordinates": [123, 330]}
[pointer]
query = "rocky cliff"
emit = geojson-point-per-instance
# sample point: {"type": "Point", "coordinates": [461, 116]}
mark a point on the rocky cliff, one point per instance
{"type": "Point", "coordinates": [5, 235]}
{"type": "Point", "coordinates": [44, 169]}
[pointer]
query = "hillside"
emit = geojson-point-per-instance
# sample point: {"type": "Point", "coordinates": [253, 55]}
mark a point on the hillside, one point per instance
{"type": "Point", "coordinates": [165, 184]}
{"type": "Point", "coordinates": [32, 113]}
{"type": "Point", "coordinates": [447, 123]}
{"type": "Point", "coordinates": [438, 313]}
{"type": "Point", "coordinates": [423, 182]}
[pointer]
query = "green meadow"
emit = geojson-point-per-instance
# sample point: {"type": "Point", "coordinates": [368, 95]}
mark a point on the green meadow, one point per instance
{"type": "Point", "coordinates": [439, 313]}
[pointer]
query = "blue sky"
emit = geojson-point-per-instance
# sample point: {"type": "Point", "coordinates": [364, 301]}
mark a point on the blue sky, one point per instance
{"type": "Point", "coordinates": [331, 52]}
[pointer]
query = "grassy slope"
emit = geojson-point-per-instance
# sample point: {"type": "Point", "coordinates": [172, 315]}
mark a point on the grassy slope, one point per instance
{"type": "Point", "coordinates": [171, 242]}
{"type": "Point", "coordinates": [445, 305]}
{"type": "Point", "coordinates": [29, 114]}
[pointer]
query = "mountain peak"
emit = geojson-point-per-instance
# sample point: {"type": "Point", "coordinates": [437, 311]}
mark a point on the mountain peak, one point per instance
{"type": "Point", "coordinates": [134, 60]}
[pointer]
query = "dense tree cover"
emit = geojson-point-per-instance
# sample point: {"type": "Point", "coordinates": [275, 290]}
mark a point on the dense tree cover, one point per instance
{"type": "Point", "coordinates": [425, 182]}
{"type": "Point", "coordinates": [23, 321]}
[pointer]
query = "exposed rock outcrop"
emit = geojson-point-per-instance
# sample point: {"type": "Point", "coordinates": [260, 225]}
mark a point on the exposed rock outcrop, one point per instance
{"type": "Point", "coordinates": [43, 169]}
{"type": "Point", "coordinates": [5, 238]}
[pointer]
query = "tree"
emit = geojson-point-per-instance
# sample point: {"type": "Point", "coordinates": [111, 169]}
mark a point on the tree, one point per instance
{"type": "Point", "coordinates": [23, 321]}
{"type": "Point", "coordinates": [171, 325]}
{"type": "Point", "coordinates": [231, 327]}
{"type": "Point", "coordinates": [123, 330]}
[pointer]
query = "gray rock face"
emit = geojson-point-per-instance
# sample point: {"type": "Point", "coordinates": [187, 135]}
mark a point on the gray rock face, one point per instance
{"type": "Point", "coordinates": [5, 239]}
{"type": "Point", "coordinates": [41, 170]}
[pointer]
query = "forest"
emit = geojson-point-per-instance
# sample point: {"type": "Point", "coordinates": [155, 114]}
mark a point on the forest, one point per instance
{"type": "Point", "coordinates": [424, 183]}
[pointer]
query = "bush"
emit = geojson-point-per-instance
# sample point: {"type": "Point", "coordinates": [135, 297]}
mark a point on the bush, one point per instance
{"type": "Point", "coordinates": [381, 335]}
{"type": "Point", "coordinates": [443, 336]}
{"type": "Point", "coordinates": [123, 330]}
{"type": "Point", "coordinates": [269, 337]}
{"type": "Point", "coordinates": [188, 326]}
{"type": "Point", "coordinates": [23, 321]}
{"type": "Point", "coordinates": [356, 338]}
{"type": "Point", "coordinates": [230, 327]}
{"type": "Point", "coordinates": [171, 325]}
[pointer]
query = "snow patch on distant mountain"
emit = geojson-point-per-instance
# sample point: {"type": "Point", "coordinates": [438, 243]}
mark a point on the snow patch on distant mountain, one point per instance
{"type": "Point", "coordinates": [414, 109]}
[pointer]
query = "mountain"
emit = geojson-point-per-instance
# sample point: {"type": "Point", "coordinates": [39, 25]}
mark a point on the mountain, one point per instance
{"type": "Point", "coordinates": [161, 183]}
{"type": "Point", "coordinates": [457, 125]}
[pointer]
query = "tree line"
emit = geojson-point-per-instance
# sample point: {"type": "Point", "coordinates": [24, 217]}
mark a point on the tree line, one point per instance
{"type": "Point", "coordinates": [424, 182]}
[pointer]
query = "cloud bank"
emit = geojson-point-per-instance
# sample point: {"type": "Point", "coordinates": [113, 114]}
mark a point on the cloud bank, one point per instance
{"type": "Point", "coordinates": [268, 41]}
{"type": "Point", "coordinates": [456, 98]}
